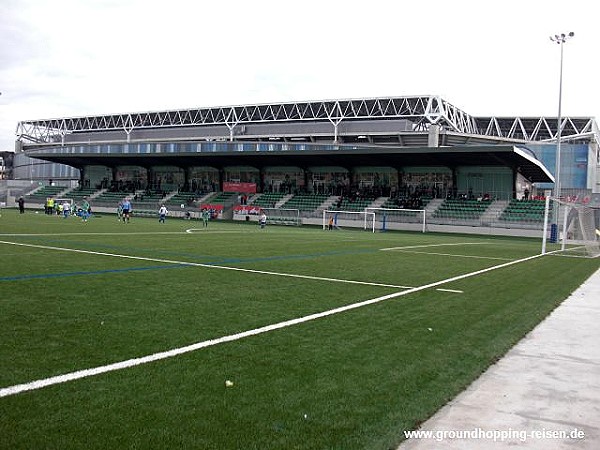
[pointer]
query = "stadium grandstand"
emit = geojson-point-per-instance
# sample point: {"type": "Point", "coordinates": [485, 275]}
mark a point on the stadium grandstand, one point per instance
{"type": "Point", "coordinates": [414, 152]}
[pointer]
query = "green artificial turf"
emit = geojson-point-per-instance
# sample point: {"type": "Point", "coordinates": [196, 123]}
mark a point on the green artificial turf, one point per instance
{"type": "Point", "coordinates": [352, 380]}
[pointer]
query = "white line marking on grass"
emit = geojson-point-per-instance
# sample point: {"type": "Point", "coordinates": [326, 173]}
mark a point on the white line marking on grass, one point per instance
{"type": "Point", "coordinates": [86, 234]}
{"type": "Point", "coordinates": [206, 230]}
{"type": "Point", "coordinates": [452, 254]}
{"type": "Point", "coordinates": [408, 247]}
{"type": "Point", "coordinates": [456, 291]}
{"type": "Point", "coordinates": [38, 384]}
{"type": "Point", "coordinates": [138, 233]}
{"type": "Point", "coordinates": [210, 266]}
{"type": "Point", "coordinates": [566, 254]}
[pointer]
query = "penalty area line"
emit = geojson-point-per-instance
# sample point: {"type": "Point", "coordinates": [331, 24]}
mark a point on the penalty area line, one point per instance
{"type": "Point", "coordinates": [80, 374]}
{"type": "Point", "coordinates": [454, 255]}
{"type": "Point", "coordinates": [209, 266]}
{"type": "Point", "coordinates": [137, 233]}
{"type": "Point", "coordinates": [409, 247]}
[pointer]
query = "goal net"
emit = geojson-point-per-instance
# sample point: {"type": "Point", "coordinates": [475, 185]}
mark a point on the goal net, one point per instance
{"type": "Point", "coordinates": [571, 228]}
{"type": "Point", "coordinates": [399, 219]}
{"type": "Point", "coordinates": [282, 216]}
{"type": "Point", "coordinates": [338, 220]}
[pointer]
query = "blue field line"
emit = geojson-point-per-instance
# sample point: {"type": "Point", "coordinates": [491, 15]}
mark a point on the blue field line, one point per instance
{"type": "Point", "coordinates": [117, 247]}
{"type": "Point", "coordinates": [217, 259]}
{"type": "Point", "coordinates": [91, 272]}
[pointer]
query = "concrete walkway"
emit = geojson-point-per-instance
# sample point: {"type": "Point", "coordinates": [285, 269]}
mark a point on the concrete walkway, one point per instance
{"type": "Point", "coordinates": [547, 384]}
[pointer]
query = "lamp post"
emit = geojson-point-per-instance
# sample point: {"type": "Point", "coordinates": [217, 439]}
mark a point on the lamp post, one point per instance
{"type": "Point", "coordinates": [560, 39]}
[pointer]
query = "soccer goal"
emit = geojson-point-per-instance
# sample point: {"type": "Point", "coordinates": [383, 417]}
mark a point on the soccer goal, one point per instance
{"type": "Point", "coordinates": [282, 216]}
{"type": "Point", "coordinates": [571, 228]}
{"type": "Point", "coordinates": [350, 219]}
{"type": "Point", "coordinates": [399, 219]}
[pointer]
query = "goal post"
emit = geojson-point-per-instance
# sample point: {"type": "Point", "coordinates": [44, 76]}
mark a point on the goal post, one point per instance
{"type": "Point", "coordinates": [576, 231]}
{"type": "Point", "coordinates": [399, 218]}
{"type": "Point", "coordinates": [282, 216]}
{"type": "Point", "coordinates": [351, 219]}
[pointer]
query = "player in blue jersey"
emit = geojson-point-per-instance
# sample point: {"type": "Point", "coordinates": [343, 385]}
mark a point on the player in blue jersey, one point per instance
{"type": "Point", "coordinates": [126, 209]}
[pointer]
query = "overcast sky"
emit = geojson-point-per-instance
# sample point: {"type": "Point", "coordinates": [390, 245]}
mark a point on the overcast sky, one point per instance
{"type": "Point", "coordinates": [85, 57]}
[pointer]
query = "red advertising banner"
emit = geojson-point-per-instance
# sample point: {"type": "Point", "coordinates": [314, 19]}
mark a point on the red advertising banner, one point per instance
{"type": "Point", "coordinates": [216, 211]}
{"type": "Point", "coordinates": [247, 188]}
{"type": "Point", "coordinates": [247, 210]}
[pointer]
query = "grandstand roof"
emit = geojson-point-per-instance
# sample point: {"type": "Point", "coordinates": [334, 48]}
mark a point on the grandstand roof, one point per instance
{"type": "Point", "coordinates": [260, 155]}
{"type": "Point", "coordinates": [413, 115]}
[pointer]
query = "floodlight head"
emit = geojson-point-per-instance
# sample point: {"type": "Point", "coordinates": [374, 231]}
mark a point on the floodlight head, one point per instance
{"type": "Point", "coordinates": [571, 34]}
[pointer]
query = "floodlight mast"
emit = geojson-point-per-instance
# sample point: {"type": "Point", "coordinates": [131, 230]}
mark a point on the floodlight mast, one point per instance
{"type": "Point", "coordinates": [560, 39]}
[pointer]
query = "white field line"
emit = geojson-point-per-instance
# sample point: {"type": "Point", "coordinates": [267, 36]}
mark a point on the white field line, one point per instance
{"type": "Point", "coordinates": [206, 230]}
{"type": "Point", "coordinates": [209, 266]}
{"type": "Point", "coordinates": [38, 384]}
{"type": "Point", "coordinates": [139, 233]}
{"type": "Point", "coordinates": [408, 247]}
{"type": "Point", "coordinates": [567, 254]}
{"type": "Point", "coordinates": [576, 256]}
{"type": "Point", "coordinates": [453, 255]}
